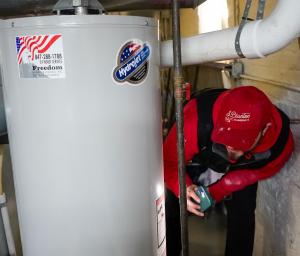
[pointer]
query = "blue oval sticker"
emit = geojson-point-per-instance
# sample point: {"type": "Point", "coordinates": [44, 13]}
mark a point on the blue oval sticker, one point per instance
{"type": "Point", "coordinates": [132, 62]}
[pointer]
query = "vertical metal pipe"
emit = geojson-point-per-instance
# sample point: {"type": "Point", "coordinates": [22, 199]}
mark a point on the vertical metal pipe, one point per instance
{"type": "Point", "coordinates": [178, 84]}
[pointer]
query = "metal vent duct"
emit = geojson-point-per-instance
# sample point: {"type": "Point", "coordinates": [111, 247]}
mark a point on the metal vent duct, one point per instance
{"type": "Point", "coordinates": [10, 8]}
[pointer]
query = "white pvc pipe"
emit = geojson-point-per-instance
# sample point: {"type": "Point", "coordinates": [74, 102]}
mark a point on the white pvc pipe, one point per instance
{"type": "Point", "coordinates": [258, 38]}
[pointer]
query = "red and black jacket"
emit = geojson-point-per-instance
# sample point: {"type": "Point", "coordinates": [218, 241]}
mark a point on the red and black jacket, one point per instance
{"type": "Point", "coordinates": [263, 162]}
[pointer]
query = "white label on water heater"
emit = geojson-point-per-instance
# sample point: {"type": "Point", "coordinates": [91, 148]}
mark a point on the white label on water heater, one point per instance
{"type": "Point", "coordinates": [161, 226]}
{"type": "Point", "coordinates": [40, 56]}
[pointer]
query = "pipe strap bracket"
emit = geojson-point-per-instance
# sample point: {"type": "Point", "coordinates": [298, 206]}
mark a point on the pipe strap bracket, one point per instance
{"type": "Point", "coordinates": [261, 9]}
{"type": "Point", "coordinates": [237, 43]}
{"type": "Point", "coordinates": [259, 16]}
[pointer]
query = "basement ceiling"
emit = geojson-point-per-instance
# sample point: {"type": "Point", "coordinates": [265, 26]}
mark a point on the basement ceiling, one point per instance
{"type": "Point", "coordinates": [13, 8]}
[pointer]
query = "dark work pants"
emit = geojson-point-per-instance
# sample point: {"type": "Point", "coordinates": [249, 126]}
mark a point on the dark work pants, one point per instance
{"type": "Point", "coordinates": [172, 224]}
{"type": "Point", "coordinates": [240, 223]}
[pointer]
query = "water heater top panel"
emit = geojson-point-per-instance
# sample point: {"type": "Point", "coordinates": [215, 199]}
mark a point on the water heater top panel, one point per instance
{"type": "Point", "coordinates": [78, 20]}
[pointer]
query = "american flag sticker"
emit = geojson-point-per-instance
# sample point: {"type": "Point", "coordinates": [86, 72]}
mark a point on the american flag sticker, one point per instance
{"type": "Point", "coordinates": [40, 56]}
{"type": "Point", "coordinates": [132, 62]}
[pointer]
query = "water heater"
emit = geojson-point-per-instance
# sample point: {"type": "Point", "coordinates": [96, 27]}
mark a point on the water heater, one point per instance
{"type": "Point", "coordinates": [82, 101]}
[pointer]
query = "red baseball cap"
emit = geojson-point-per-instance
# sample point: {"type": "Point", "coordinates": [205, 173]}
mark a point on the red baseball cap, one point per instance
{"type": "Point", "coordinates": [239, 115]}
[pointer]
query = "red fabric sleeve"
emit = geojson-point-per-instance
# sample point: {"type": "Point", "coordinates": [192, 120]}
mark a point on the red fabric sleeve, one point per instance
{"type": "Point", "coordinates": [191, 147]}
{"type": "Point", "coordinates": [239, 179]}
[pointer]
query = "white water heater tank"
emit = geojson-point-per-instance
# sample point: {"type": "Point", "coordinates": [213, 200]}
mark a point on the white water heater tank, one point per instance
{"type": "Point", "coordinates": [83, 108]}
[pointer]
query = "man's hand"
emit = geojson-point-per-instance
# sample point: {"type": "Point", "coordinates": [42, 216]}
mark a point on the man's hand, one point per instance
{"type": "Point", "coordinates": [193, 201]}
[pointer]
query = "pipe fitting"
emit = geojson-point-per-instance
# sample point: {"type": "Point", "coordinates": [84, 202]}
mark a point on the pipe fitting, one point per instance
{"type": "Point", "coordinates": [80, 3]}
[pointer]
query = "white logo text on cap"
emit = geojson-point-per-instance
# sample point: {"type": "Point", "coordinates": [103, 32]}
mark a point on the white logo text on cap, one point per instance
{"type": "Point", "coordinates": [237, 117]}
